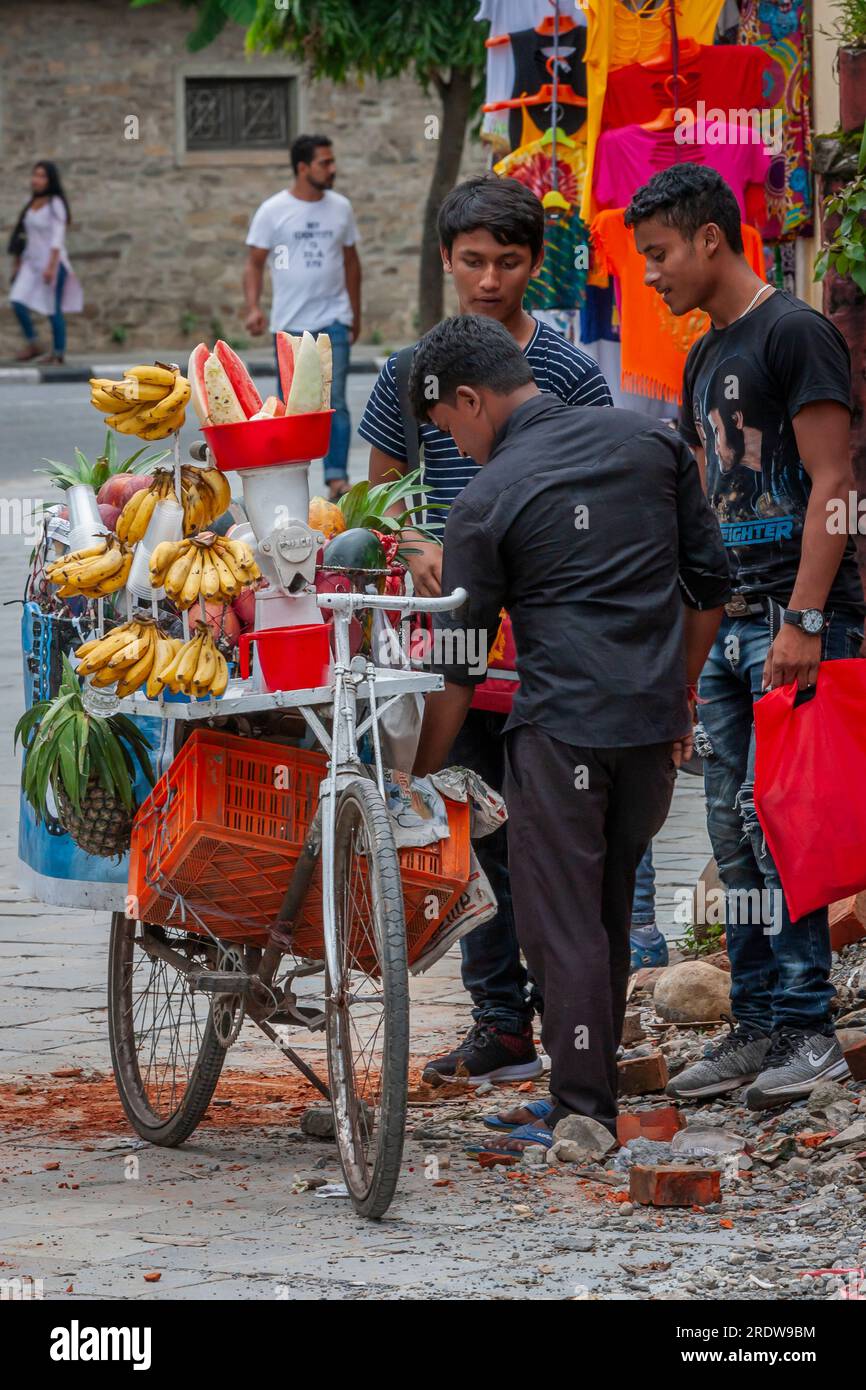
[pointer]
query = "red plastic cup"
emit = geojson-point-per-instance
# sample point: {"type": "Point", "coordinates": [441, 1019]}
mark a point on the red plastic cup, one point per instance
{"type": "Point", "coordinates": [268, 443]}
{"type": "Point", "coordinates": [291, 658]}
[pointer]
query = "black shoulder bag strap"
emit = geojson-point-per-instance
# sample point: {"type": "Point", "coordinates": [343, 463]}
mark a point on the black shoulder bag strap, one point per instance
{"type": "Point", "coordinates": [402, 368]}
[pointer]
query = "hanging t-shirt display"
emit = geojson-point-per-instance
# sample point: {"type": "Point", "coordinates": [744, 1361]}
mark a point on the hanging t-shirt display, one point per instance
{"type": "Point", "coordinates": [730, 77]}
{"type": "Point", "coordinates": [654, 341]}
{"type": "Point", "coordinates": [743, 386]}
{"type": "Point", "coordinates": [562, 280]}
{"type": "Point", "coordinates": [619, 34]}
{"type": "Point", "coordinates": [505, 17]}
{"type": "Point", "coordinates": [532, 165]}
{"type": "Point", "coordinates": [781, 31]}
{"type": "Point", "coordinates": [627, 157]}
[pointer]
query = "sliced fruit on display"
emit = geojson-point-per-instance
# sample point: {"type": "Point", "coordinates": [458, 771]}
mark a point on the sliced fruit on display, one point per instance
{"type": "Point", "coordinates": [285, 362]}
{"type": "Point", "coordinates": [306, 393]}
{"type": "Point", "coordinates": [195, 372]}
{"type": "Point", "coordinates": [326, 357]}
{"type": "Point", "coordinates": [242, 383]}
{"type": "Point", "coordinates": [223, 406]}
{"type": "Point", "coordinates": [271, 408]}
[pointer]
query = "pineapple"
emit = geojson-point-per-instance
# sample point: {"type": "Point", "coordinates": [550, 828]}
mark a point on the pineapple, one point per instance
{"type": "Point", "coordinates": [87, 762]}
{"type": "Point", "coordinates": [67, 475]}
{"type": "Point", "coordinates": [368, 507]}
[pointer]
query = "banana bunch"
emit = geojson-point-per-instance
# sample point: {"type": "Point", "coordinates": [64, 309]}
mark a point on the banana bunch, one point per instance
{"type": "Point", "coordinates": [128, 657]}
{"type": "Point", "coordinates": [147, 401]}
{"type": "Point", "coordinates": [206, 566]}
{"type": "Point", "coordinates": [198, 667]}
{"type": "Point", "coordinates": [205, 495]}
{"type": "Point", "coordinates": [93, 572]}
{"type": "Point", "coordinates": [135, 517]}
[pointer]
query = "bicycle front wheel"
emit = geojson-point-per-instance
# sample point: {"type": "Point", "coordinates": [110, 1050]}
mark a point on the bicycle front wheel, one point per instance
{"type": "Point", "coordinates": [368, 1004]}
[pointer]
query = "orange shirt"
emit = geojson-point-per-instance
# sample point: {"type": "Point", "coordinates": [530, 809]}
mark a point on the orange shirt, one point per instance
{"type": "Point", "coordinates": [654, 341]}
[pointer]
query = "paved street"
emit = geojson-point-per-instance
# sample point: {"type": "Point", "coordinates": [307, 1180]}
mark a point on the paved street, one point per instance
{"type": "Point", "coordinates": [90, 1211]}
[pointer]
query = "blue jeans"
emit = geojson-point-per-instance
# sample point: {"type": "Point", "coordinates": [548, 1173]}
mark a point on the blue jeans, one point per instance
{"type": "Point", "coordinates": [337, 457]}
{"type": "Point", "coordinates": [779, 969]}
{"type": "Point", "coordinates": [57, 321]}
{"type": "Point", "coordinates": [643, 910]}
{"type": "Point", "coordinates": [493, 973]}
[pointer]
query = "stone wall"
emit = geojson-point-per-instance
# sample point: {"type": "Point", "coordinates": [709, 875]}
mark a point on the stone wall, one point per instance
{"type": "Point", "coordinates": [158, 235]}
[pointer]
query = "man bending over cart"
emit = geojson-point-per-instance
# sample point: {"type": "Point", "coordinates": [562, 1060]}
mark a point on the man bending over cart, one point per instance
{"type": "Point", "coordinates": [591, 528]}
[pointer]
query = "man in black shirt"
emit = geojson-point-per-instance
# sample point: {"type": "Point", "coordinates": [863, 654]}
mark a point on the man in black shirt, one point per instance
{"type": "Point", "coordinates": [766, 410]}
{"type": "Point", "coordinates": [592, 530]}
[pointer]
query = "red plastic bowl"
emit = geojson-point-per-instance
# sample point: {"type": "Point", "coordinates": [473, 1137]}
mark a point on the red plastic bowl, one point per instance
{"type": "Point", "coordinates": [268, 443]}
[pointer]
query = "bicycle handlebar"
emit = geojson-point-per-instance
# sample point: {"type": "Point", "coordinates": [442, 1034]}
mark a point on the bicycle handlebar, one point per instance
{"type": "Point", "coordinates": [347, 603]}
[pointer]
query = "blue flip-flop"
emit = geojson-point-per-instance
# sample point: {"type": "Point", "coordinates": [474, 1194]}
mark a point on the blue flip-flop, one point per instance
{"type": "Point", "coordinates": [539, 1108]}
{"type": "Point", "coordinates": [531, 1133]}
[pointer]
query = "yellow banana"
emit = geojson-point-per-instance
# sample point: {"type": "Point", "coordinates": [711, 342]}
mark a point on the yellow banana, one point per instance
{"type": "Point", "coordinates": [162, 428]}
{"type": "Point", "coordinates": [152, 376]}
{"type": "Point", "coordinates": [168, 670]}
{"type": "Point", "coordinates": [103, 677]}
{"type": "Point", "coordinates": [206, 667]}
{"type": "Point", "coordinates": [210, 580]}
{"type": "Point", "coordinates": [241, 551]}
{"type": "Point", "coordinates": [221, 679]}
{"type": "Point", "coordinates": [109, 404]}
{"type": "Point", "coordinates": [242, 573]}
{"type": "Point", "coordinates": [188, 662]}
{"type": "Point", "coordinates": [126, 421]}
{"type": "Point", "coordinates": [127, 522]}
{"type": "Point", "coordinates": [104, 648]}
{"type": "Point", "coordinates": [170, 404]}
{"type": "Point", "coordinates": [191, 585]}
{"type": "Point", "coordinates": [177, 572]}
{"type": "Point", "coordinates": [162, 559]}
{"type": "Point", "coordinates": [109, 586]}
{"type": "Point", "coordinates": [163, 652]}
{"type": "Point", "coordinates": [136, 675]}
{"type": "Point", "coordinates": [136, 392]}
{"type": "Point", "coordinates": [228, 584]}
{"type": "Point", "coordinates": [212, 478]}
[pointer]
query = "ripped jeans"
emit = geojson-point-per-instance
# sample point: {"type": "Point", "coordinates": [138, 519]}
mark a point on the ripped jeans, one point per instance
{"type": "Point", "coordinates": [779, 969]}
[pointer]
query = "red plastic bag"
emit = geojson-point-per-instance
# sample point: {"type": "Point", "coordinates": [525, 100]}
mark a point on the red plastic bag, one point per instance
{"type": "Point", "coordinates": [497, 693]}
{"type": "Point", "coordinates": [810, 785]}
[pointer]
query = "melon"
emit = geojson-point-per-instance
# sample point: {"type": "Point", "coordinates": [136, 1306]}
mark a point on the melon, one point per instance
{"type": "Point", "coordinates": [326, 357]}
{"type": "Point", "coordinates": [306, 393]}
{"type": "Point", "coordinates": [272, 407]}
{"type": "Point", "coordinates": [242, 382]}
{"type": "Point", "coordinates": [285, 362]}
{"type": "Point", "coordinates": [195, 376]}
{"type": "Point", "coordinates": [223, 406]}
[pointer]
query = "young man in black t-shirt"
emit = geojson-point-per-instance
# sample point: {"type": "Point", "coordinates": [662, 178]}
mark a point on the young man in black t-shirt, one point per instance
{"type": "Point", "coordinates": [766, 398]}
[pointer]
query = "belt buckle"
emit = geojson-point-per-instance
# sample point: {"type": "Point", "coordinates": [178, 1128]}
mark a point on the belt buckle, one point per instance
{"type": "Point", "coordinates": [738, 606]}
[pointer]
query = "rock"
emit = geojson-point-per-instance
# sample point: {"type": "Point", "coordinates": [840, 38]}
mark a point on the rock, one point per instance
{"type": "Point", "coordinates": [641, 1150]}
{"type": "Point", "coordinates": [318, 1122]}
{"type": "Point", "coordinates": [824, 1094]}
{"type": "Point", "coordinates": [534, 1156]}
{"type": "Point", "coordinates": [699, 1142]}
{"type": "Point", "coordinates": [854, 1134]}
{"type": "Point", "coordinates": [587, 1139]}
{"type": "Point", "coordinates": [582, 1245]}
{"type": "Point", "coordinates": [632, 1028]}
{"type": "Point", "coordinates": [693, 992]}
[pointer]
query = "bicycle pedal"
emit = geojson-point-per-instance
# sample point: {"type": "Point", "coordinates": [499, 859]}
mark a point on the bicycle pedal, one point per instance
{"type": "Point", "coordinates": [219, 982]}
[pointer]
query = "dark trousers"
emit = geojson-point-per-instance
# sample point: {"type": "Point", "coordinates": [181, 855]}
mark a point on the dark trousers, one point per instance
{"type": "Point", "coordinates": [579, 822]}
{"type": "Point", "coordinates": [493, 974]}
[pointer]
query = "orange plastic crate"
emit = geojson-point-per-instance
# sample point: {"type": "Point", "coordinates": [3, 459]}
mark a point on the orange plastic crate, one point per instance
{"type": "Point", "coordinates": [223, 831]}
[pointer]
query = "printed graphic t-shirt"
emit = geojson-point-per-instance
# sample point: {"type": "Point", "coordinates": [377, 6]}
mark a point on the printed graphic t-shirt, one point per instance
{"type": "Point", "coordinates": [742, 387]}
{"type": "Point", "coordinates": [558, 367]}
{"type": "Point", "coordinates": [306, 243]}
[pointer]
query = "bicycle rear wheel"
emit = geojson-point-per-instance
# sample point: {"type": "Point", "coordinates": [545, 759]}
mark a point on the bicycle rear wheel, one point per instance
{"type": "Point", "coordinates": [368, 1006]}
{"type": "Point", "coordinates": [165, 1051]}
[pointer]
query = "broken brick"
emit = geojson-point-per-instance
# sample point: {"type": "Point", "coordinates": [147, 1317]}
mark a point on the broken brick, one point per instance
{"type": "Point", "coordinates": [640, 1075]}
{"type": "Point", "coordinates": [856, 1058]}
{"type": "Point", "coordinates": [847, 920]}
{"type": "Point", "coordinates": [660, 1124]}
{"type": "Point", "coordinates": [632, 1028]}
{"type": "Point", "coordinates": [669, 1185]}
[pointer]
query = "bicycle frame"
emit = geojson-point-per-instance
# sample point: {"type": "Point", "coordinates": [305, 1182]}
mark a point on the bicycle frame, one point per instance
{"type": "Point", "coordinates": [345, 760]}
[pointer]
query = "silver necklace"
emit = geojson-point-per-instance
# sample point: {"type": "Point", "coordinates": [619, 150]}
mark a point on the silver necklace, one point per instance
{"type": "Point", "coordinates": [755, 299]}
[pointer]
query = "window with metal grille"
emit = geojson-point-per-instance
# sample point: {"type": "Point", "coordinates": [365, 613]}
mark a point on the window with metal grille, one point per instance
{"type": "Point", "coordinates": [237, 113]}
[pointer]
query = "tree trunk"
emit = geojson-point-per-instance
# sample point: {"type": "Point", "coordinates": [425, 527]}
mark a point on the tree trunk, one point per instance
{"type": "Point", "coordinates": [456, 95]}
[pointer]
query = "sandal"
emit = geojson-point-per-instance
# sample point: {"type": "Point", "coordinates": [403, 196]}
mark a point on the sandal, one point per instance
{"type": "Point", "coordinates": [539, 1108]}
{"type": "Point", "coordinates": [517, 1141]}
{"type": "Point", "coordinates": [338, 489]}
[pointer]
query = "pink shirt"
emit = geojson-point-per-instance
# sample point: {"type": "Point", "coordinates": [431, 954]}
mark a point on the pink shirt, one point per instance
{"type": "Point", "coordinates": [628, 156]}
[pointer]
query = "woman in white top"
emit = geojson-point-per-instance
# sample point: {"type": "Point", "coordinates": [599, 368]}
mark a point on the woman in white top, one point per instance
{"type": "Point", "coordinates": [44, 280]}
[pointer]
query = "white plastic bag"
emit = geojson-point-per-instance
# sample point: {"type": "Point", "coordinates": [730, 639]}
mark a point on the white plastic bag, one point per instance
{"type": "Point", "coordinates": [400, 723]}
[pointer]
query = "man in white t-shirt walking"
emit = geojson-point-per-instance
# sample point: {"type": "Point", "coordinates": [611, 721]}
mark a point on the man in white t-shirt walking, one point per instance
{"type": "Point", "coordinates": [309, 235]}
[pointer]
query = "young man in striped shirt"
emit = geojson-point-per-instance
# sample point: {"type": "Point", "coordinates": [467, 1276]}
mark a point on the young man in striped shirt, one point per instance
{"type": "Point", "coordinates": [491, 233]}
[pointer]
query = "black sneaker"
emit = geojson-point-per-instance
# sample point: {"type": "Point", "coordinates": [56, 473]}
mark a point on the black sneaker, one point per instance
{"type": "Point", "coordinates": [487, 1054]}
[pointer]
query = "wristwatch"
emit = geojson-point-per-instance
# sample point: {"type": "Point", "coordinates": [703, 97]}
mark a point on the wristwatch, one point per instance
{"type": "Point", "coordinates": [811, 620]}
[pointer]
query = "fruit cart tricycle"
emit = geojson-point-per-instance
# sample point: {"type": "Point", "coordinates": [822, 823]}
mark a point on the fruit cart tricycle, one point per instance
{"type": "Point", "coordinates": [333, 956]}
{"type": "Point", "coordinates": [265, 881]}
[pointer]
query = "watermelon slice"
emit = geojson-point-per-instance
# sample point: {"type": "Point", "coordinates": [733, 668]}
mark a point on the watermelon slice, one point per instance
{"type": "Point", "coordinates": [272, 407]}
{"type": "Point", "coordinates": [195, 376]}
{"type": "Point", "coordinates": [285, 362]}
{"type": "Point", "coordinates": [242, 382]}
{"type": "Point", "coordinates": [306, 393]}
{"type": "Point", "coordinates": [223, 406]}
